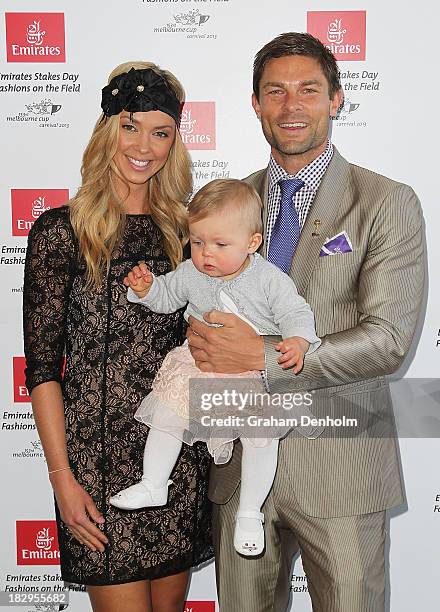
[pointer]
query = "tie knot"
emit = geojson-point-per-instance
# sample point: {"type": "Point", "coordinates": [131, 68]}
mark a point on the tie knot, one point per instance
{"type": "Point", "coordinates": [290, 186]}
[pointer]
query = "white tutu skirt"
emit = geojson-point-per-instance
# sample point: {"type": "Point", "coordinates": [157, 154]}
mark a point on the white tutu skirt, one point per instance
{"type": "Point", "coordinates": [175, 406]}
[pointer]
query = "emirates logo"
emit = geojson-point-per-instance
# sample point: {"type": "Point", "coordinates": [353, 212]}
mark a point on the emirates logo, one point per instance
{"type": "Point", "coordinates": [37, 543]}
{"type": "Point", "coordinates": [29, 204]}
{"type": "Point", "coordinates": [44, 541]}
{"type": "Point", "coordinates": [39, 207]}
{"type": "Point", "coordinates": [197, 125]}
{"type": "Point", "coordinates": [34, 35]}
{"type": "Point", "coordinates": [343, 32]}
{"type": "Point", "coordinates": [335, 32]}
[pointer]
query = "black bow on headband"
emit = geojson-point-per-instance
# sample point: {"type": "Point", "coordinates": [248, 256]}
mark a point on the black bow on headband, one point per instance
{"type": "Point", "coordinates": [139, 91]}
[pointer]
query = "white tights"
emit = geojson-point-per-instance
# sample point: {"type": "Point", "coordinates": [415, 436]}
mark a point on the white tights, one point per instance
{"type": "Point", "coordinates": [258, 467]}
{"type": "Point", "coordinates": [160, 456]}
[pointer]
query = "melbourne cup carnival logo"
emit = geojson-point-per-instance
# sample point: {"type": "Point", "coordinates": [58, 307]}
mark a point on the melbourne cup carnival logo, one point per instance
{"type": "Point", "coordinates": [39, 114]}
{"type": "Point", "coordinates": [345, 110]}
{"type": "Point", "coordinates": [343, 32]}
{"type": "Point", "coordinates": [197, 125]}
{"type": "Point", "coordinates": [192, 24]}
{"type": "Point", "coordinates": [29, 204]}
{"type": "Point", "coordinates": [35, 37]}
{"type": "Point", "coordinates": [37, 543]}
{"type": "Point", "coordinates": [32, 451]}
{"type": "Point", "coordinates": [193, 17]}
{"type": "Point", "coordinates": [348, 107]}
{"type": "Point", "coordinates": [188, 22]}
{"type": "Point", "coordinates": [45, 107]}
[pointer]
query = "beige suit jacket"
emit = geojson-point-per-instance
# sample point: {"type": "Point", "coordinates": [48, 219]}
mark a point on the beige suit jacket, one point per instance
{"type": "Point", "coordinates": [366, 306]}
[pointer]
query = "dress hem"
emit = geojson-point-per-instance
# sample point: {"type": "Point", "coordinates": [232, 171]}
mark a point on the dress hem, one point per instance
{"type": "Point", "coordinates": [152, 574]}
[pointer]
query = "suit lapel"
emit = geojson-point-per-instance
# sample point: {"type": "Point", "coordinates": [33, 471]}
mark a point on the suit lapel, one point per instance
{"type": "Point", "coordinates": [324, 207]}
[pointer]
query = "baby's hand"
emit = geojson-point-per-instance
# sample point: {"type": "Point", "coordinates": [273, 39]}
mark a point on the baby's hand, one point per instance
{"type": "Point", "coordinates": [293, 350]}
{"type": "Point", "coordinates": [139, 279]}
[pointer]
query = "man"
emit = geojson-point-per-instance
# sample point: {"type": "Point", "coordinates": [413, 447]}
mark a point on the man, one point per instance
{"type": "Point", "coordinates": [365, 287]}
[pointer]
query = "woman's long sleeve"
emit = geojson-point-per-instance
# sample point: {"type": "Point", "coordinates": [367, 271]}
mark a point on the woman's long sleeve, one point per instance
{"type": "Point", "coordinates": [50, 259]}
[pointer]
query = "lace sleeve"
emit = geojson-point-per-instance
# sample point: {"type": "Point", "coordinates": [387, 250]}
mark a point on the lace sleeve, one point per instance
{"type": "Point", "coordinates": [50, 256]}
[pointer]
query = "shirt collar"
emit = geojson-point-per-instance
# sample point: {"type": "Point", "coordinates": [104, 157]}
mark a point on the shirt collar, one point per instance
{"type": "Point", "coordinates": [310, 174]}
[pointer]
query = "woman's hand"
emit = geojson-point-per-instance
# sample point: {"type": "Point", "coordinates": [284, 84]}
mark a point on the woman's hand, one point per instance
{"type": "Point", "coordinates": [78, 510]}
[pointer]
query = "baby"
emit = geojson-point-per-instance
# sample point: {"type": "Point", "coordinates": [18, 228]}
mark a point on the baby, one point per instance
{"type": "Point", "coordinates": [224, 273]}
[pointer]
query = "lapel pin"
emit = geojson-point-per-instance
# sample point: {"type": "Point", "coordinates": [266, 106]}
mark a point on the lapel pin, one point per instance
{"type": "Point", "coordinates": [316, 223]}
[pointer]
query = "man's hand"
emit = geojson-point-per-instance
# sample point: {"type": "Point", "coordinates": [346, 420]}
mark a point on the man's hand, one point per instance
{"type": "Point", "coordinates": [293, 350]}
{"type": "Point", "coordinates": [235, 347]}
{"type": "Point", "coordinates": [139, 279]}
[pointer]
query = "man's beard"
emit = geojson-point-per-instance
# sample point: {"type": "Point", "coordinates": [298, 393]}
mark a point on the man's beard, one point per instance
{"type": "Point", "coordinates": [292, 148]}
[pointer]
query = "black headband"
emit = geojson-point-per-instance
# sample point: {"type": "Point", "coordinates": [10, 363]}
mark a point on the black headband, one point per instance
{"type": "Point", "coordinates": [139, 91]}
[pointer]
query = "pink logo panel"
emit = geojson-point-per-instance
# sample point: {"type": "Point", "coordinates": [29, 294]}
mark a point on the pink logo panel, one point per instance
{"type": "Point", "coordinates": [37, 543]}
{"type": "Point", "coordinates": [20, 391]}
{"type": "Point", "coordinates": [343, 32]}
{"type": "Point", "coordinates": [199, 606]}
{"type": "Point", "coordinates": [29, 204]}
{"type": "Point", "coordinates": [197, 125]}
{"type": "Point", "coordinates": [35, 37]}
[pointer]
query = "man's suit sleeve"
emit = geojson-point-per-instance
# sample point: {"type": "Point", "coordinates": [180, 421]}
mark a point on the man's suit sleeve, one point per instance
{"type": "Point", "coordinates": [390, 292]}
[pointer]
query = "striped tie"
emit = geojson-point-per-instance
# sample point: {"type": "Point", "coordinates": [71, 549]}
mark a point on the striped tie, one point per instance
{"type": "Point", "coordinates": [286, 230]}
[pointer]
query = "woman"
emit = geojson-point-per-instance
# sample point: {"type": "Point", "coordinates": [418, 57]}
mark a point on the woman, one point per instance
{"type": "Point", "coordinates": [135, 177]}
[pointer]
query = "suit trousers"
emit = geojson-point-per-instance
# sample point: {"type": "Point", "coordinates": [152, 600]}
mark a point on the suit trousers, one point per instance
{"type": "Point", "coordinates": [343, 557]}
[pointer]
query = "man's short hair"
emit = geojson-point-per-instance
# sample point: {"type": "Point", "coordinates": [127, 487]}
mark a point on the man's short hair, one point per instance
{"type": "Point", "coordinates": [298, 43]}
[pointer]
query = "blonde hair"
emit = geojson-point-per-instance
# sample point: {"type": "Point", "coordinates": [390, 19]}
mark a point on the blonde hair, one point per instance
{"type": "Point", "coordinates": [96, 211]}
{"type": "Point", "coordinates": [224, 194]}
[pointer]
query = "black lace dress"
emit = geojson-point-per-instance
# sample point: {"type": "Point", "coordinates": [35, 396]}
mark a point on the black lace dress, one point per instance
{"type": "Point", "coordinates": [113, 350]}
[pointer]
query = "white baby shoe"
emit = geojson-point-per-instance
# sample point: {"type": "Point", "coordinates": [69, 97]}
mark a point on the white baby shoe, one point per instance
{"type": "Point", "coordinates": [249, 542]}
{"type": "Point", "coordinates": [141, 495]}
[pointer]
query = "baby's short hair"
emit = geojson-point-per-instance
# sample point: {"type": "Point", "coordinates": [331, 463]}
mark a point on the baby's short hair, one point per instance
{"type": "Point", "coordinates": [221, 194]}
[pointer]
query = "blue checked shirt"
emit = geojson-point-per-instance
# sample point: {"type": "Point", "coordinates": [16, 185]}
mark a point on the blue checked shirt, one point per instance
{"type": "Point", "coordinates": [303, 199]}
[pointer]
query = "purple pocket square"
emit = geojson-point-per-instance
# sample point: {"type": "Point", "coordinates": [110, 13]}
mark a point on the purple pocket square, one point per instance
{"type": "Point", "coordinates": [337, 245]}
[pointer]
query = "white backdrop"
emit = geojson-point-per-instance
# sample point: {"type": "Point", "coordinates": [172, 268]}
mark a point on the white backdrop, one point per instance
{"type": "Point", "coordinates": [53, 82]}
